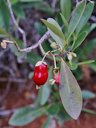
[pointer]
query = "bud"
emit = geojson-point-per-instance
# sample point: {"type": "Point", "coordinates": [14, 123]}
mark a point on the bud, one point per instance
{"type": "Point", "coordinates": [54, 45]}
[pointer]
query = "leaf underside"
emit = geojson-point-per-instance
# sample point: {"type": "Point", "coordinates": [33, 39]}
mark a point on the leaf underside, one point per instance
{"type": "Point", "coordinates": [70, 92]}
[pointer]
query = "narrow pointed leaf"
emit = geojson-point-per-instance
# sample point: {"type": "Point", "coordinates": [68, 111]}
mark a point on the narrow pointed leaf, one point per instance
{"type": "Point", "coordinates": [86, 62]}
{"type": "Point", "coordinates": [5, 14]}
{"type": "Point", "coordinates": [45, 93]}
{"type": "Point", "coordinates": [76, 17]}
{"type": "Point", "coordinates": [25, 115]}
{"type": "Point", "coordinates": [58, 40]}
{"type": "Point", "coordinates": [64, 20]}
{"type": "Point", "coordinates": [89, 111]}
{"type": "Point", "coordinates": [70, 92]}
{"type": "Point", "coordinates": [88, 94]}
{"type": "Point", "coordinates": [80, 40]}
{"type": "Point", "coordinates": [57, 31]}
{"type": "Point", "coordinates": [65, 6]}
{"type": "Point", "coordinates": [53, 109]}
{"type": "Point", "coordinates": [86, 15]}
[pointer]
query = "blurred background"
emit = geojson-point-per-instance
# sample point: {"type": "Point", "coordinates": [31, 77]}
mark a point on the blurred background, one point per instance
{"type": "Point", "coordinates": [16, 69]}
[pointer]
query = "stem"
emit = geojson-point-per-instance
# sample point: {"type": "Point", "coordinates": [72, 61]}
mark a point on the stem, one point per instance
{"type": "Point", "coordinates": [45, 55]}
{"type": "Point", "coordinates": [86, 62]}
{"type": "Point", "coordinates": [7, 41]}
{"type": "Point", "coordinates": [43, 38]}
{"type": "Point", "coordinates": [42, 50]}
{"type": "Point", "coordinates": [54, 61]}
{"type": "Point", "coordinates": [29, 49]}
{"type": "Point", "coordinates": [16, 24]}
{"type": "Point", "coordinates": [55, 50]}
{"type": "Point", "coordinates": [74, 41]}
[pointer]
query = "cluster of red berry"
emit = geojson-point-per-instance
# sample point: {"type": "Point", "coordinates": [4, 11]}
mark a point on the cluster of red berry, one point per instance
{"type": "Point", "coordinates": [41, 74]}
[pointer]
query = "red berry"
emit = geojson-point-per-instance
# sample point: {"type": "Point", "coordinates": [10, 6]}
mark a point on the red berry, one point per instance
{"type": "Point", "coordinates": [57, 78]}
{"type": "Point", "coordinates": [40, 73]}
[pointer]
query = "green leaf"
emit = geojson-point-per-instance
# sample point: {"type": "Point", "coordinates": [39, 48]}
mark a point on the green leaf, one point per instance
{"type": "Point", "coordinates": [62, 115]}
{"type": "Point", "coordinates": [18, 11]}
{"type": "Point", "coordinates": [5, 14]}
{"type": "Point", "coordinates": [92, 27]}
{"type": "Point", "coordinates": [13, 1]}
{"type": "Point", "coordinates": [86, 15]}
{"type": "Point", "coordinates": [64, 20]}
{"type": "Point", "coordinates": [55, 28]}
{"type": "Point", "coordinates": [73, 65]}
{"type": "Point", "coordinates": [40, 28]}
{"type": "Point", "coordinates": [93, 66]}
{"type": "Point", "coordinates": [1, 19]}
{"type": "Point", "coordinates": [65, 6]}
{"type": "Point", "coordinates": [70, 92]}
{"type": "Point", "coordinates": [76, 17]}
{"type": "Point", "coordinates": [53, 109]}
{"type": "Point", "coordinates": [58, 40]}
{"type": "Point", "coordinates": [80, 40]}
{"type": "Point", "coordinates": [78, 73]}
{"type": "Point", "coordinates": [25, 115]}
{"type": "Point", "coordinates": [89, 111]}
{"type": "Point", "coordinates": [44, 93]}
{"type": "Point", "coordinates": [87, 94]}
{"type": "Point", "coordinates": [86, 62]}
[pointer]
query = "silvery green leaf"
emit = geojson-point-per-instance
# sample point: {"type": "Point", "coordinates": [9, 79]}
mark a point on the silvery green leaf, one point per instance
{"type": "Point", "coordinates": [66, 6]}
{"type": "Point", "coordinates": [80, 39]}
{"type": "Point", "coordinates": [86, 15]}
{"type": "Point", "coordinates": [55, 31]}
{"type": "Point", "coordinates": [76, 17]}
{"type": "Point", "coordinates": [25, 115]}
{"type": "Point", "coordinates": [58, 40]}
{"type": "Point", "coordinates": [70, 92]}
{"type": "Point", "coordinates": [88, 94]}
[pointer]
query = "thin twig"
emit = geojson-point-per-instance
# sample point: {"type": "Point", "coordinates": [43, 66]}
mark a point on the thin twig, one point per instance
{"type": "Point", "coordinates": [42, 39]}
{"type": "Point", "coordinates": [16, 24]}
